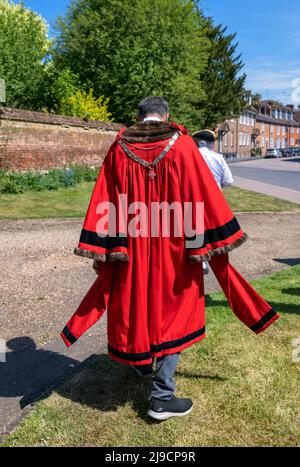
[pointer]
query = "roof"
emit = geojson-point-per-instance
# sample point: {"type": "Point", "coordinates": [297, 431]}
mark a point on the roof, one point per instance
{"type": "Point", "coordinates": [277, 121]}
{"type": "Point", "coordinates": [297, 116]}
{"type": "Point", "coordinates": [275, 105]}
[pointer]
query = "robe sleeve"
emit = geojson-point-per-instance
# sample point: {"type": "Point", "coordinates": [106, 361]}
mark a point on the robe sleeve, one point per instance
{"type": "Point", "coordinates": [103, 236]}
{"type": "Point", "coordinates": [92, 307]}
{"type": "Point", "coordinates": [245, 302]}
{"type": "Point", "coordinates": [219, 232]}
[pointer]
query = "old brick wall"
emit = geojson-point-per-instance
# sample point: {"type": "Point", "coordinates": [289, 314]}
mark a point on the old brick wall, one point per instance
{"type": "Point", "coordinates": [38, 141]}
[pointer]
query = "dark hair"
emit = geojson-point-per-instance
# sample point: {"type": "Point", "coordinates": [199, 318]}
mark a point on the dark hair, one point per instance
{"type": "Point", "coordinates": [153, 105]}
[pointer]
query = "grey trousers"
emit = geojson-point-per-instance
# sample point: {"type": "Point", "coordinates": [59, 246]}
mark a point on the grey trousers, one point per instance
{"type": "Point", "coordinates": [163, 384]}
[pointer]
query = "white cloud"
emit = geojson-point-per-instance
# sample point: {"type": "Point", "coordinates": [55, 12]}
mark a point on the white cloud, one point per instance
{"type": "Point", "coordinates": [296, 91]}
{"type": "Point", "coordinates": [273, 77]}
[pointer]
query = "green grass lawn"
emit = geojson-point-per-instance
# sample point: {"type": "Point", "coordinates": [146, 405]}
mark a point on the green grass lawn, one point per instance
{"type": "Point", "coordinates": [245, 388]}
{"type": "Point", "coordinates": [73, 202]}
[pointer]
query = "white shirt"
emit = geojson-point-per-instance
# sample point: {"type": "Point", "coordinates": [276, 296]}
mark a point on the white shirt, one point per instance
{"type": "Point", "coordinates": [152, 119]}
{"type": "Point", "coordinates": [218, 167]}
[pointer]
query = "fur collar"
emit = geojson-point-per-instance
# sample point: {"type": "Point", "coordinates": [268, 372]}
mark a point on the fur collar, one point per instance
{"type": "Point", "coordinates": [150, 131]}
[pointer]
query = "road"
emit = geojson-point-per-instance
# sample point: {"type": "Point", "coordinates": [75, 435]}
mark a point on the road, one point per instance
{"type": "Point", "coordinates": [276, 177]}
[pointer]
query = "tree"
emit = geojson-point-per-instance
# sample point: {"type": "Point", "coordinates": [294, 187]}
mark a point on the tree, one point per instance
{"type": "Point", "coordinates": [255, 98]}
{"type": "Point", "coordinates": [23, 47]}
{"type": "Point", "coordinates": [222, 79]}
{"type": "Point", "coordinates": [56, 86]}
{"type": "Point", "coordinates": [127, 49]}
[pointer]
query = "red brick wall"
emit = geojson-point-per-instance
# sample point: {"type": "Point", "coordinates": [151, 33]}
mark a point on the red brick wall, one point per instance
{"type": "Point", "coordinates": [33, 140]}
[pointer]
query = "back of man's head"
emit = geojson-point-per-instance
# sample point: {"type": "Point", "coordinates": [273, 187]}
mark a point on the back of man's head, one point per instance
{"type": "Point", "coordinates": [153, 105]}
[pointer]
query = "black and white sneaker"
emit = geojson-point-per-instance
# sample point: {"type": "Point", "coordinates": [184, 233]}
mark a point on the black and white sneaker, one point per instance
{"type": "Point", "coordinates": [162, 410]}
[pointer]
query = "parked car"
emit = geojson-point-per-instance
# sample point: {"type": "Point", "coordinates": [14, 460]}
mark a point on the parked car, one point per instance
{"type": "Point", "coordinates": [287, 152]}
{"type": "Point", "coordinates": [273, 153]}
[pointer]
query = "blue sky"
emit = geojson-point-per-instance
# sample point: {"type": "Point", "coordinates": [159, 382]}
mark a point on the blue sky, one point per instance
{"type": "Point", "coordinates": [268, 32]}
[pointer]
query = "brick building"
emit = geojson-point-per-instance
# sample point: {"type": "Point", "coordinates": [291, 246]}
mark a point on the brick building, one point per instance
{"type": "Point", "coordinates": [237, 137]}
{"type": "Point", "coordinates": [277, 126]}
{"type": "Point", "coordinates": [266, 126]}
{"type": "Point", "coordinates": [39, 141]}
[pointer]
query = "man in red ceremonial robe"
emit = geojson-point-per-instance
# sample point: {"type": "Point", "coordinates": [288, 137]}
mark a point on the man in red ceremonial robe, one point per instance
{"type": "Point", "coordinates": [150, 273]}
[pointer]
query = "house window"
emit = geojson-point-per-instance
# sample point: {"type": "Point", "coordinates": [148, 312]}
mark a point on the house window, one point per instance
{"type": "Point", "coordinates": [231, 138]}
{"type": "Point", "coordinates": [283, 130]}
{"type": "Point", "coordinates": [283, 143]}
{"type": "Point", "coordinates": [226, 140]}
{"type": "Point", "coordinates": [278, 130]}
{"type": "Point", "coordinates": [271, 143]}
{"type": "Point", "coordinates": [241, 139]}
{"type": "Point", "coordinates": [262, 127]}
{"type": "Point", "coordinates": [292, 130]}
{"type": "Point", "coordinates": [292, 141]}
{"type": "Point", "coordinates": [271, 129]}
{"type": "Point", "coordinates": [262, 141]}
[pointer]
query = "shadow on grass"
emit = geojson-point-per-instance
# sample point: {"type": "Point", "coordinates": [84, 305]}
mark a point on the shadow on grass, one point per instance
{"type": "Point", "coordinates": [292, 291]}
{"type": "Point", "coordinates": [107, 385]}
{"type": "Point", "coordinates": [187, 374]}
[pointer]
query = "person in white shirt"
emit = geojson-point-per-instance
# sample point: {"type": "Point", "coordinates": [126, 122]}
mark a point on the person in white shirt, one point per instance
{"type": "Point", "coordinates": [205, 140]}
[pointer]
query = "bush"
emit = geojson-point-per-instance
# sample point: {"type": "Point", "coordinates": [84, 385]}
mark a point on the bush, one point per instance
{"type": "Point", "coordinates": [85, 105]}
{"type": "Point", "coordinates": [15, 182]}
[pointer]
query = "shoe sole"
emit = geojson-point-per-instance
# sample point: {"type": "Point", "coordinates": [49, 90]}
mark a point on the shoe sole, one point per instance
{"type": "Point", "coordinates": [166, 415]}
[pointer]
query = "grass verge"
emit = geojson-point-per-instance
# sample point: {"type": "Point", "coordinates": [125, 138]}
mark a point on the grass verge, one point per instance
{"type": "Point", "coordinates": [73, 202]}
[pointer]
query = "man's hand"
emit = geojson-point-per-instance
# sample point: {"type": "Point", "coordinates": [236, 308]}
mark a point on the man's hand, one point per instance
{"type": "Point", "coordinates": [97, 266]}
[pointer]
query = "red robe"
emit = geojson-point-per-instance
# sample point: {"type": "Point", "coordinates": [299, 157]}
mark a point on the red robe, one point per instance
{"type": "Point", "coordinates": [152, 287]}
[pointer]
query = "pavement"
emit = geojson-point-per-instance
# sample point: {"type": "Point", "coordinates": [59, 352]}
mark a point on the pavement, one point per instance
{"type": "Point", "coordinates": [42, 283]}
{"type": "Point", "coordinates": [274, 177]}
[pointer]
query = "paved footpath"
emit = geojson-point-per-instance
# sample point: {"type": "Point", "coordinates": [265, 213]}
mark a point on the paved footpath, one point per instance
{"type": "Point", "coordinates": [42, 282]}
{"type": "Point", "coordinates": [274, 177]}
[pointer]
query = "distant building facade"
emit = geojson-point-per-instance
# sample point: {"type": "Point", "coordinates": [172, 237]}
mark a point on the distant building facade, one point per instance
{"type": "Point", "coordinates": [237, 136]}
{"type": "Point", "coordinates": [266, 126]}
{"type": "Point", "coordinates": [277, 126]}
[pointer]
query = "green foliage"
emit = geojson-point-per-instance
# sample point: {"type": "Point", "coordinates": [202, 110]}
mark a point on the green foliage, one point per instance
{"type": "Point", "coordinates": [133, 48]}
{"type": "Point", "coordinates": [23, 46]}
{"type": "Point", "coordinates": [222, 79]}
{"type": "Point", "coordinates": [123, 50]}
{"type": "Point", "coordinates": [57, 85]}
{"type": "Point", "coordinates": [85, 105]}
{"type": "Point", "coordinates": [15, 182]}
